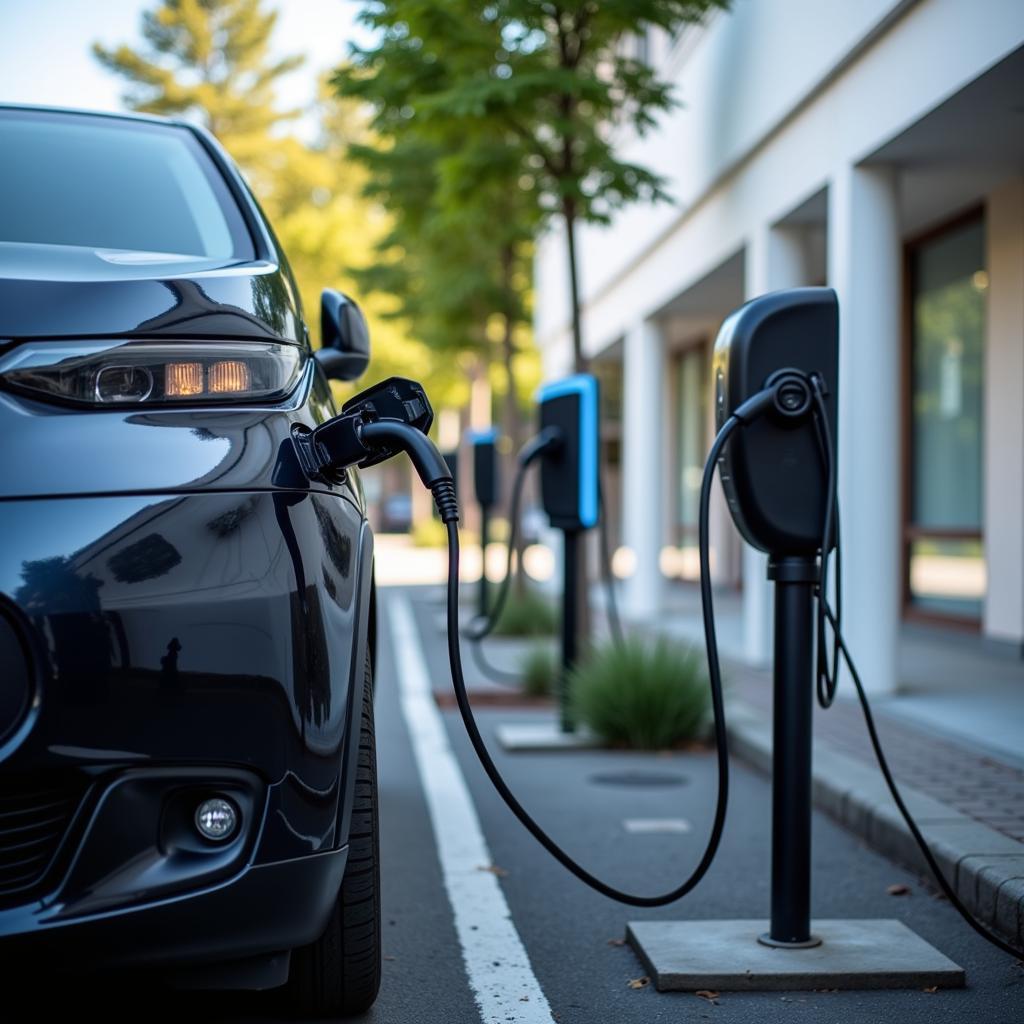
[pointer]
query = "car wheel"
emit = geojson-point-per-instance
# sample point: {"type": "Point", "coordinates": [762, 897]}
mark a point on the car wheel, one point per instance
{"type": "Point", "coordinates": [339, 973]}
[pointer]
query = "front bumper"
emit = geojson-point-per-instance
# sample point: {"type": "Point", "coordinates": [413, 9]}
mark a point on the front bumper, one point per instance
{"type": "Point", "coordinates": [179, 646]}
{"type": "Point", "coordinates": [265, 908]}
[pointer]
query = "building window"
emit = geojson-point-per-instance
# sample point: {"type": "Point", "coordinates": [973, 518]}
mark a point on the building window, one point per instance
{"type": "Point", "coordinates": [945, 563]}
{"type": "Point", "coordinates": [691, 449]}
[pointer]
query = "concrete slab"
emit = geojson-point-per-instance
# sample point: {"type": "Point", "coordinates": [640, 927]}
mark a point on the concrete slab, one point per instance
{"type": "Point", "coordinates": [536, 737]}
{"type": "Point", "coordinates": [726, 956]}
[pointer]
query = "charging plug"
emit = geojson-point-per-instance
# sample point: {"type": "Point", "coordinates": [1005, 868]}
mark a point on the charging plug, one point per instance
{"type": "Point", "coordinates": [391, 417]}
{"type": "Point", "coordinates": [786, 392]}
{"type": "Point", "coordinates": [548, 442]}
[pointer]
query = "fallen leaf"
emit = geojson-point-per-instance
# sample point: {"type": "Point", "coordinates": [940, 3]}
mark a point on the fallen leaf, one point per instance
{"type": "Point", "coordinates": [616, 942]}
{"type": "Point", "coordinates": [386, 957]}
{"type": "Point", "coordinates": [493, 869]}
{"type": "Point", "coordinates": [709, 995]}
{"type": "Point", "coordinates": [899, 889]}
{"type": "Point", "coordinates": [931, 988]}
{"type": "Point", "coordinates": [640, 982]}
{"type": "Point", "coordinates": [524, 999]}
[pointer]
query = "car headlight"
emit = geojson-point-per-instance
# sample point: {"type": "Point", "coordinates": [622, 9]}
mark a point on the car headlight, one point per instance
{"type": "Point", "coordinates": [117, 372]}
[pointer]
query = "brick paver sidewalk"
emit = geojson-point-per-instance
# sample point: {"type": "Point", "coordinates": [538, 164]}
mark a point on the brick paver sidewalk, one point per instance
{"type": "Point", "coordinates": [975, 783]}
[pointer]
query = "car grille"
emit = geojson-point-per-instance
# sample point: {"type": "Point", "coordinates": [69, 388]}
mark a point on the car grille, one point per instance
{"type": "Point", "coordinates": [34, 817]}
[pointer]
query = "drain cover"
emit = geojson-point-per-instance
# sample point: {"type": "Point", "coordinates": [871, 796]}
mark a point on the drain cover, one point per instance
{"type": "Point", "coordinates": [638, 779]}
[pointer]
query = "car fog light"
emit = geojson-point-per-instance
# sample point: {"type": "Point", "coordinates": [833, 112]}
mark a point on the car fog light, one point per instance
{"type": "Point", "coordinates": [216, 819]}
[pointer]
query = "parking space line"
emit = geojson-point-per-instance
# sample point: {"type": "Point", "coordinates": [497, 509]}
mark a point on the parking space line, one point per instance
{"type": "Point", "coordinates": [503, 983]}
{"type": "Point", "coordinates": [671, 826]}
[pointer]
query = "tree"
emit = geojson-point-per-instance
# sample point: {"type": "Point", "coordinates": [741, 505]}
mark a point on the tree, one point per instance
{"type": "Point", "coordinates": [459, 252]}
{"type": "Point", "coordinates": [552, 74]}
{"type": "Point", "coordinates": [210, 59]}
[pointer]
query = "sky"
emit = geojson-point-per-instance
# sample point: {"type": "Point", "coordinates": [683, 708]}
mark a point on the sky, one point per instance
{"type": "Point", "coordinates": [45, 47]}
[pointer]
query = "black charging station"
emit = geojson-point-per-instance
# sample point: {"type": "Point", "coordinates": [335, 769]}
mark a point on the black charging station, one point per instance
{"type": "Point", "coordinates": [485, 490]}
{"type": "Point", "coordinates": [776, 377]}
{"type": "Point", "coordinates": [569, 493]}
{"type": "Point", "coordinates": [777, 488]}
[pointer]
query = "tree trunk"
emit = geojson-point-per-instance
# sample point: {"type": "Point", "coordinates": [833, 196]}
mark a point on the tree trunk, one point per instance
{"type": "Point", "coordinates": [569, 214]}
{"type": "Point", "coordinates": [512, 415]}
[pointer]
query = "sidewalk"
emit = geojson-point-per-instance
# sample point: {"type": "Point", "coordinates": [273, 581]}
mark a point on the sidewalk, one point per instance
{"type": "Point", "coordinates": [969, 806]}
{"type": "Point", "coordinates": [968, 799]}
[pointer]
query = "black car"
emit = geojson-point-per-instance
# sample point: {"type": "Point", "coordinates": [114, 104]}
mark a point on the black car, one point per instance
{"type": "Point", "coordinates": [187, 768]}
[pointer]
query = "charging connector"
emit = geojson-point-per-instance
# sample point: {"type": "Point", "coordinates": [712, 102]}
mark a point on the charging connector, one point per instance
{"type": "Point", "coordinates": [391, 417]}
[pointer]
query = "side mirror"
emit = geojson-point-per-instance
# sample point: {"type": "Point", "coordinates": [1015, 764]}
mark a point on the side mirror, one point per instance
{"type": "Point", "coordinates": [344, 336]}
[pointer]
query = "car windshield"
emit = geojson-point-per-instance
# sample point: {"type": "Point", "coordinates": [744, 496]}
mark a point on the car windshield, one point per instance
{"type": "Point", "coordinates": [110, 184]}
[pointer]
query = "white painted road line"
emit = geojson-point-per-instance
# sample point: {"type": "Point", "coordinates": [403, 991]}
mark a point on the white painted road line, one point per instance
{"type": "Point", "coordinates": [503, 983]}
{"type": "Point", "coordinates": [677, 826]}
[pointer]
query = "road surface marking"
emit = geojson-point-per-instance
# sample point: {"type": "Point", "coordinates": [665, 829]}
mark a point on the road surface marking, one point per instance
{"type": "Point", "coordinates": [503, 983]}
{"type": "Point", "coordinates": [676, 826]}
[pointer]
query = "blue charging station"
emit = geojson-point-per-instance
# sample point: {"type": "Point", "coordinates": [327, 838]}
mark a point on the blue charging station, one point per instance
{"type": "Point", "coordinates": [485, 489]}
{"type": "Point", "coordinates": [569, 493]}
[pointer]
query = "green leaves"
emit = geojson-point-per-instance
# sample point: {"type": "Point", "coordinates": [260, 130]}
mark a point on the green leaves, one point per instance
{"type": "Point", "coordinates": [527, 93]}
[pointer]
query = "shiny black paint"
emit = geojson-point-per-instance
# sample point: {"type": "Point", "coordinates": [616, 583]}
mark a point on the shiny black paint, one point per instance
{"type": "Point", "coordinates": [84, 297]}
{"type": "Point", "coordinates": [86, 451]}
{"type": "Point", "coordinates": [198, 629]}
{"type": "Point", "coordinates": [196, 611]}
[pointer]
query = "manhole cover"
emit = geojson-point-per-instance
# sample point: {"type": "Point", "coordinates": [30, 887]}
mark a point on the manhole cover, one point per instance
{"type": "Point", "coordinates": [639, 779]}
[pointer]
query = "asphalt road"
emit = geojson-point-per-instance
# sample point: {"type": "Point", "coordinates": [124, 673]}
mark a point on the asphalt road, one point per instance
{"type": "Point", "coordinates": [573, 936]}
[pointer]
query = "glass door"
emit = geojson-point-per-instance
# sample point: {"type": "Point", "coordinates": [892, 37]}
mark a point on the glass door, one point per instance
{"type": "Point", "coordinates": [945, 563]}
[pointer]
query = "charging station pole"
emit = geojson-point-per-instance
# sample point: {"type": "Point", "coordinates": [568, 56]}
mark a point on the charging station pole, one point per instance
{"type": "Point", "coordinates": [792, 677]}
{"type": "Point", "coordinates": [569, 491]}
{"type": "Point", "coordinates": [485, 539]}
{"type": "Point", "coordinates": [570, 623]}
{"type": "Point", "coordinates": [485, 487]}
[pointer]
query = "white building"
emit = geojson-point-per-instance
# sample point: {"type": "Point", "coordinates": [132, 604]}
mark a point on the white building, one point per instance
{"type": "Point", "coordinates": [876, 146]}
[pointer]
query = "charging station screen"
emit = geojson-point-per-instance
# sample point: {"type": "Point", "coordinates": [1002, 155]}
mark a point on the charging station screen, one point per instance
{"type": "Point", "coordinates": [568, 479]}
{"type": "Point", "coordinates": [485, 470]}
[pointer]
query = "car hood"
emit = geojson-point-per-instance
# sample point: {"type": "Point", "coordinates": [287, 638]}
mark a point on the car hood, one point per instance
{"type": "Point", "coordinates": [53, 291]}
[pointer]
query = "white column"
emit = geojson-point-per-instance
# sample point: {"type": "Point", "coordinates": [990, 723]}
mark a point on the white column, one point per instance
{"type": "Point", "coordinates": [1004, 415]}
{"type": "Point", "coordinates": [864, 266]}
{"type": "Point", "coordinates": [643, 427]}
{"type": "Point", "coordinates": [774, 259]}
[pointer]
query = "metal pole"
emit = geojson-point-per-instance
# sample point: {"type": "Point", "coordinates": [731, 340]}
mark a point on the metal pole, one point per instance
{"type": "Point", "coordinates": [570, 622]}
{"type": "Point", "coordinates": [793, 671]}
{"type": "Point", "coordinates": [485, 532]}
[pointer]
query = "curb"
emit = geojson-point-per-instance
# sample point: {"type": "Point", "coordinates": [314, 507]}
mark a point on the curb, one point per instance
{"type": "Point", "coordinates": [985, 867]}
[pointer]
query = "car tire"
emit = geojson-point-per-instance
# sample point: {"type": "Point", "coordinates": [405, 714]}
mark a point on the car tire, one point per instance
{"type": "Point", "coordinates": [339, 973]}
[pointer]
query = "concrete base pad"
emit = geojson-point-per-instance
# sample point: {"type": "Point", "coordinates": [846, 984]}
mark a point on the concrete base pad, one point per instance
{"type": "Point", "coordinates": [544, 736]}
{"type": "Point", "coordinates": [726, 956]}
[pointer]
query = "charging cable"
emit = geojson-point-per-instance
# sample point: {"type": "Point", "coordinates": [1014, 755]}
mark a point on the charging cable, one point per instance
{"type": "Point", "coordinates": [354, 440]}
{"type": "Point", "coordinates": [828, 675]}
{"type": "Point", "coordinates": [607, 575]}
{"type": "Point", "coordinates": [718, 710]}
{"type": "Point", "coordinates": [545, 443]}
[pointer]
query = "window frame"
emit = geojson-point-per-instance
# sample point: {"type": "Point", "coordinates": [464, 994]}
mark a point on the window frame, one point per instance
{"type": "Point", "coordinates": [909, 530]}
